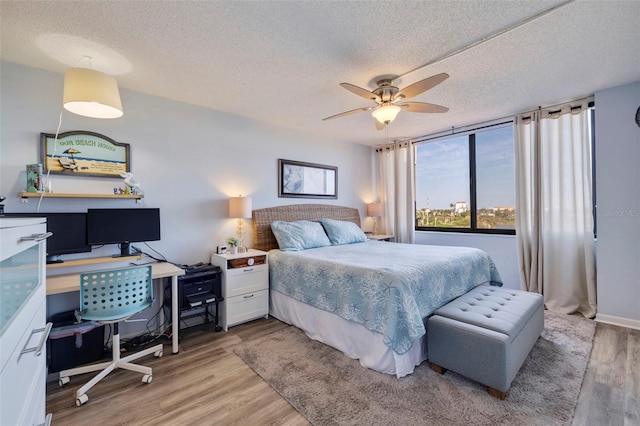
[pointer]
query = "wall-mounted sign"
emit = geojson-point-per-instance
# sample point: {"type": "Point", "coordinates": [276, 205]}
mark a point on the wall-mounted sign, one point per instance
{"type": "Point", "coordinates": [84, 153]}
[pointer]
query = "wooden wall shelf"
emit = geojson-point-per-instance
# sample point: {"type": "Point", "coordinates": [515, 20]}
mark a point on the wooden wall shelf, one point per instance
{"type": "Point", "coordinates": [27, 195]}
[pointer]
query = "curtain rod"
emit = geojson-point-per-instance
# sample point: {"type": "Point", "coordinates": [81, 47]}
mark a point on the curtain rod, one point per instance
{"type": "Point", "coordinates": [499, 121]}
{"type": "Point", "coordinates": [463, 129]}
{"type": "Point", "coordinates": [589, 99]}
{"type": "Point", "coordinates": [391, 146]}
{"type": "Point", "coordinates": [489, 37]}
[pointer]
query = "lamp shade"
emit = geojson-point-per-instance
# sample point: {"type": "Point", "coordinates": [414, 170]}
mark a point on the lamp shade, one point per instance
{"type": "Point", "coordinates": [374, 209]}
{"type": "Point", "coordinates": [91, 93]}
{"type": "Point", "coordinates": [240, 207]}
{"type": "Point", "coordinates": [386, 113]}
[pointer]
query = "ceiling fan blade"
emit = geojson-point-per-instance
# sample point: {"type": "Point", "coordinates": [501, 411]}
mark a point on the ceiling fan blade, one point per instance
{"type": "Point", "coordinates": [379, 125]}
{"type": "Point", "coordinates": [421, 86]}
{"type": "Point", "coordinates": [422, 107]}
{"type": "Point", "coordinates": [353, 111]}
{"type": "Point", "coordinates": [360, 91]}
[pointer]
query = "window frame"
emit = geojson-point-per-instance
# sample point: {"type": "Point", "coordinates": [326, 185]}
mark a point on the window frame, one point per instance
{"type": "Point", "coordinates": [471, 136]}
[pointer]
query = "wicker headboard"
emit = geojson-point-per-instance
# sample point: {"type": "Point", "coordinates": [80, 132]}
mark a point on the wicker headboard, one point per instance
{"type": "Point", "coordinates": [263, 238]}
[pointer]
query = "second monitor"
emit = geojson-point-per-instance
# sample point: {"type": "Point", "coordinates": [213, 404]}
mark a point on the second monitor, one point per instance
{"type": "Point", "coordinates": [122, 227]}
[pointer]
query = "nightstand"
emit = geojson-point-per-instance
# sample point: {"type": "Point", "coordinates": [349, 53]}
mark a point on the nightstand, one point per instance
{"type": "Point", "coordinates": [245, 286]}
{"type": "Point", "coordinates": [381, 237]}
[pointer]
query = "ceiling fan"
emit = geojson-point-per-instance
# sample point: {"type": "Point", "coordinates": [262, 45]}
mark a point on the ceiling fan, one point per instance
{"type": "Point", "coordinates": [390, 99]}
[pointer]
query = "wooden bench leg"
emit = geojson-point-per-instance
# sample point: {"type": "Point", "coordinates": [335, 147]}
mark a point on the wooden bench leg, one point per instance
{"type": "Point", "coordinates": [496, 393]}
{"type": "Point", "coordinates": [438, 369]}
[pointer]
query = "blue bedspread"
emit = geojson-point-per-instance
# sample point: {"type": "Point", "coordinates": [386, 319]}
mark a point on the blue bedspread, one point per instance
{"type": "Point", "coordinates": [386, 287]}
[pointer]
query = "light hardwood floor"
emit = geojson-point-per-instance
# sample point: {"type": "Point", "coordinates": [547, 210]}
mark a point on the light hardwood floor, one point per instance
{"type": "Point", "coordinates": [610, 393]}
{"type": "Point", "coordinates": [207, 384]}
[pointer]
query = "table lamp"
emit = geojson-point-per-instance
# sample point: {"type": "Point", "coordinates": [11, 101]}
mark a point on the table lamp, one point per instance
{"type": "Point", "coordinates": [374, 210]}
{"type": "Point", "coordinates": [240, 208]}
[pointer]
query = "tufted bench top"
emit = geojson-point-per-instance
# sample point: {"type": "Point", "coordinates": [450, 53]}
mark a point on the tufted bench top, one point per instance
{"type": "Point", "coordinates": [494, 308]}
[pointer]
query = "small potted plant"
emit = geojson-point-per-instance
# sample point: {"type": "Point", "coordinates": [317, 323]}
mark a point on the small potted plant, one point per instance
{"type": "Point", "coordinates": [233, 244]}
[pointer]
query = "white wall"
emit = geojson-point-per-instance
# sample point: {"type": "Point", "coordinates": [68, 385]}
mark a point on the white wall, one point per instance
{"type": "Point", "coordinates": [189, 159]}
{"type": "Point", "coordinates": [501, 248]}
{"type": "Point", "coordinates": [618, 197]}
{"type": "Point", "coordinates": [618, 215]}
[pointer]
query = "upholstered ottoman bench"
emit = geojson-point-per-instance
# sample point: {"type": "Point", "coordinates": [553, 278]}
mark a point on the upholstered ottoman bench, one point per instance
{"type": "Point", "coordinates": [485, 335]}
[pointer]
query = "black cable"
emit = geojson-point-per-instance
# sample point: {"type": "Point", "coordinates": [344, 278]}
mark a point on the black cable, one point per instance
{"type": "Point", "coordinates": [105, 344]}
{"type": "Point", "coordinates": [150, 335]}
{"type": "Point", "coordinates": [162, 256]}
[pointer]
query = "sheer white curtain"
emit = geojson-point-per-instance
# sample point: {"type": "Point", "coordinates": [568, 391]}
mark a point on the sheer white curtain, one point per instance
{"type": "Point", "coordinates": [554, 207]}
{"type": "Point", "coordinates": [395, 190]}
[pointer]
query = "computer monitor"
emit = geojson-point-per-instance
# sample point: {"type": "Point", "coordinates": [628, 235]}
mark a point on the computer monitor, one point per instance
{"type": "Point", "coordinates": [69, 233]}
{"type": "Point", "coordinates": [122, 226]}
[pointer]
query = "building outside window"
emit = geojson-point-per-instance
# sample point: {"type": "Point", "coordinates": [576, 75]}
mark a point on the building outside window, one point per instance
{"type": "Point", "coordinates": [466, 182]}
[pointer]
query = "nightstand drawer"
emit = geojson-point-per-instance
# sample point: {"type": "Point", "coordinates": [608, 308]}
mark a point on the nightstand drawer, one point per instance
{"type": "Point", "coordinates": [245, 280]}
{"type": "Point", "coordinates": [247, 307]}
{"type": "Point", "coordinates": [246, 262]}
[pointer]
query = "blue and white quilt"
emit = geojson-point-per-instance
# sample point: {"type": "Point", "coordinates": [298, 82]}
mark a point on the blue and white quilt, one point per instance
{"type": "Point", "coordinates": [386, 287]}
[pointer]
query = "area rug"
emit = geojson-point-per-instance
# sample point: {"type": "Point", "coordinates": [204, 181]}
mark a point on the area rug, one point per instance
{"type": "Point", "coordinates": [328, 388]}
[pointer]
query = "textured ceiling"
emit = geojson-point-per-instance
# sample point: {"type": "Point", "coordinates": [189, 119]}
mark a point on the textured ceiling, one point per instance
{"type": "Point", "coordinates": [282, 62]}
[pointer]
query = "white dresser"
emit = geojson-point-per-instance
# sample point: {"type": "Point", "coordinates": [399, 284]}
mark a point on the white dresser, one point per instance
{"type": "Point", "coordinates": [245, 286]}
{"type": "Point", "coordinates": [23, 331]}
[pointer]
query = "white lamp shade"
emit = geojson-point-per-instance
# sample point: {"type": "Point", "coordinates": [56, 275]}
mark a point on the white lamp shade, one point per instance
{"type": "Point", "coordinates": [91, 93]}
{"type": "Point", "coordinates": [374, 209]}
{"type": "Point", "coordinates": [240, 207]}
{"type": "Point", "coordinates": [386, 113]}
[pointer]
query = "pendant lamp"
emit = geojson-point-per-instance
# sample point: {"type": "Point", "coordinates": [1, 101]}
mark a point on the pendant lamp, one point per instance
{"type": "Point", "coordinates": [91, 93]}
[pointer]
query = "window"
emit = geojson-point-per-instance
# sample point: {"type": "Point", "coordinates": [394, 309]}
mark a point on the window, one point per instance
{"type": "Point", "coordinates": [467, 182]}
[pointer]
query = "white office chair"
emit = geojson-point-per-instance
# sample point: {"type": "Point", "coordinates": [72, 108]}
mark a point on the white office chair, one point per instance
{"type": "Point", "coordinates": [112, 296]}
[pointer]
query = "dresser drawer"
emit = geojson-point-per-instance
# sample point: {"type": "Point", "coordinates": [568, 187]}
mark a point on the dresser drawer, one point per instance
{"type": "Point", "coordinates": [23, 377]}
{"type": "Point", "coordinates": [22, 321]}
{"type": "Point", "coordinates": [246, 307]}
{"type": "Point", "coordinates": [246, 280]}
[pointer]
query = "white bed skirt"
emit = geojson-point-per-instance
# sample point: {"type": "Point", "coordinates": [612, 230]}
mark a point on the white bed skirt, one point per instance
{"type": "Point", "coordinates": [352, 339]}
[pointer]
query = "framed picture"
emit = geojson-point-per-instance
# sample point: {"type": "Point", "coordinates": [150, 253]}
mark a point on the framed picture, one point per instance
{"type": "Point", "coordinates": [297, 179]}
{"type": "Point", "coordinates": [84, 154]}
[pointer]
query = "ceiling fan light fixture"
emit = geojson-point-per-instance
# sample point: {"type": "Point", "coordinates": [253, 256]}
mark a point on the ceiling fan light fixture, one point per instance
{"type": "Point", "coordinates": [386, 113]}
{"type": "Point", "coordinates": [91, 93]}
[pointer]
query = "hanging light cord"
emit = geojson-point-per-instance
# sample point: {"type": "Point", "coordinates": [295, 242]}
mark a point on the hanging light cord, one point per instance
{"type": "Point", "coordinates": [49, 161]}
{"type": "Point", "coordinates": [80, 60]}
{"type": "Point", "coordinates": [386, 129]}
{"type": "Point", "coordinates": [55, 143]}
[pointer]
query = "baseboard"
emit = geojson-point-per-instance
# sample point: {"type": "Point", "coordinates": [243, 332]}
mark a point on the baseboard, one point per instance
{"type": "Point", "coordinates": [622, 322]}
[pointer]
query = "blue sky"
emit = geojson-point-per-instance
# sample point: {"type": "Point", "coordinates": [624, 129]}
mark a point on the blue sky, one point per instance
{"type": "Point", "coordinates": [442, 170]}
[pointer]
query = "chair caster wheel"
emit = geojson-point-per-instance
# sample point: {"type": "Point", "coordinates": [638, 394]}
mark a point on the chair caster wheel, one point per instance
{"type": "Point", "coordinates": [147, 378]}
{"type": "Point", "coordinates": [63, 381]}
{"type": "Point", "coordinates": [158, 354]}
{"type": "Point", "coordinates": [81, 400]}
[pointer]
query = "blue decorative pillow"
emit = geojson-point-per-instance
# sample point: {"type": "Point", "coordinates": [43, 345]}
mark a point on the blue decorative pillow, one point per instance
{"type": "Point", "coordinates": [343, 232]}
{"type": "Point", "coordinates": [299, 235]}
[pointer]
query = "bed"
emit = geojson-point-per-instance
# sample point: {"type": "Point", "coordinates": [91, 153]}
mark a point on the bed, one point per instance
{"type": "Point", "coordinates": [368, 299]}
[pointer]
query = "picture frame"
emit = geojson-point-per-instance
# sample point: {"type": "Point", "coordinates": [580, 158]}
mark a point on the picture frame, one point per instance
{"type": "Point", "coordinates": [298, 179]}
{"type": "Point", "coordinates": [83, 153]}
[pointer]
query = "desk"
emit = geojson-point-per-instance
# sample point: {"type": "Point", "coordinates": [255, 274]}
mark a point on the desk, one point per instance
{"type": "Point", "coordinates": [71, 282]}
